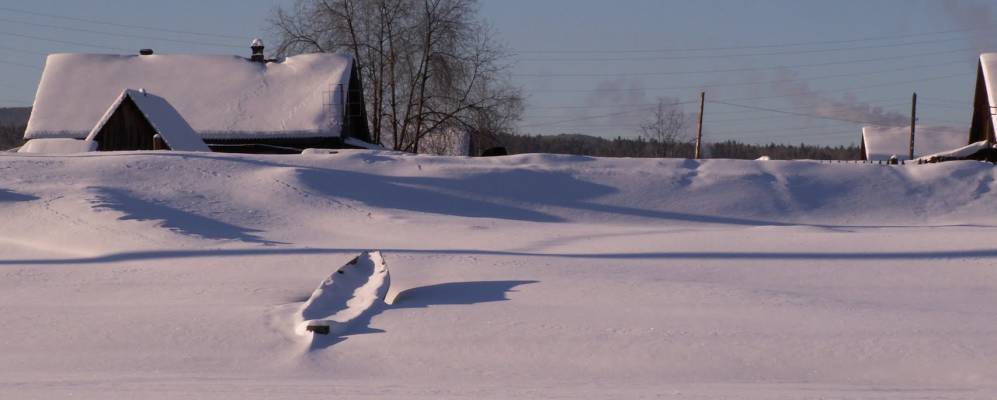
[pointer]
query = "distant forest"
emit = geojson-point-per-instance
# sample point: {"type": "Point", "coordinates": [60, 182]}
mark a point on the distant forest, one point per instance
{"type": "Point", "coordinates": [11, 136]}
{"type": "Point", "coordinates": [13, 122]}
{"type": "Point", "coordinates": [641, 147]}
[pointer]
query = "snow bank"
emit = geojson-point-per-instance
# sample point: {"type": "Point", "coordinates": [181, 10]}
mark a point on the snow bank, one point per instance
{"type": "Point", "coordinates": [163, 275]}
{"type": "Point", "coordinates": [959, 153]}
{"type": "Point", "coordinates": [58, 146]}
{"type": "Point", "coordinates": [362, 144]}
{"type": "Point", "coordinates": [221, 97]}
{"type": "Point", "coordinates": [883, 142]}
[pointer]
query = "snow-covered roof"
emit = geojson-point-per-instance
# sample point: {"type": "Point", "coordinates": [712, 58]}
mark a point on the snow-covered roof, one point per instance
{"type": "Point", "coordinates": [962, 152]}
{"type": "Point", "coordinates": [883, 142]}
{"type": "Point", "coordinates": [221, 97]}
{"type": "Point", "coordinates": [988, 63]}
{"type": "Point", "coordinates": [58, 146]}
{"type": "Point", "coordinates": [162, 116]}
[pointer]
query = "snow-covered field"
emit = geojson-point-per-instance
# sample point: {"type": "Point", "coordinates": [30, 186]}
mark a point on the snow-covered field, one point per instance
{"type": "Point", "coordinates": [179, 275]}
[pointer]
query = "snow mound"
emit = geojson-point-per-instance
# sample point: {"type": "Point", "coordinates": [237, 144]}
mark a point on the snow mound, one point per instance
{"type": "Point", "coordinates": [58, 146]}
{"type": "Point", "coordinates": [353, 290]}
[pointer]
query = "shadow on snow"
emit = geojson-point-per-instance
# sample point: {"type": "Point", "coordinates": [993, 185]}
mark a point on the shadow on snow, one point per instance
{"type": "Point", "coordinates": [8, 195]}
{"type": "Point", "coordinates": [451, 293]}
{"type": "Point", "coordinates": [677, 255]}
{"type": "Point", "coordinates": [174, 219]}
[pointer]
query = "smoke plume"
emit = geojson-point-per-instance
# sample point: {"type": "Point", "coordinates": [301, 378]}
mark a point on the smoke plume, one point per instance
{"type": "Point", "coordinates": [847, 108]}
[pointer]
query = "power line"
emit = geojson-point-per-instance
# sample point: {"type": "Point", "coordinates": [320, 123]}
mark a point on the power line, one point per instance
{"type": "Point", "coordinates": [17, 50]}
{"type": "Point", "coordinates": [17, 64]}
{"type": "Point", "coordinates": [745, 69]}
{"type": "Point", "coordinates": [874, 102]}
{"type": "Point", "coordinates": [63, 41]}
{"type": "Point", "coordinates": [857, 40]}
{"type": "Point", "coordinates": [99, 22]}
{"type": "Point", "coordinates": [131, 36]}
{"type": "Point", "coordinates": [863, 87]}
{"type": "Point", "coordinates": [710, 56]}
{"type": "Point", "coordinates": [599, 116]}
{"type": "Point", "coordinates": [726, 102]}
{"type": "Point", "coordinates": [751, 83]}
{"type": "Point", "coordinates": [787, 112]}
{"type": "Point", "coordinates": [737, 120]}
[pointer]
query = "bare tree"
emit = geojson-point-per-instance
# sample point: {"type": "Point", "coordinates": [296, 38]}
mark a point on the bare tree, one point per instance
{"type": "Point", "coordinates": [666, 129]}
{"type": "Point", "coordinates": [428, 67]}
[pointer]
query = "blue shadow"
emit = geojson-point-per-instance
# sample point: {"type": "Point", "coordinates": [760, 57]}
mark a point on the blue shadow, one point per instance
{"type": "Point", "coordinates": [7, 195]}
{"type": "Point", "coordinates": [451, 293]}
{"type": "Point", "coordinates": [174, 219]}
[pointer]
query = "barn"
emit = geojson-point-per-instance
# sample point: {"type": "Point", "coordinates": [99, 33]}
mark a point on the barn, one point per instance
{"type": "Point", "coordinates": [232, 103]}
{"type": "Point", "coordinates": [985, 100]}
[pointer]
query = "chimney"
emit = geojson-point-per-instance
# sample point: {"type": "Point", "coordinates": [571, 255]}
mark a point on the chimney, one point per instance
{"type": "Point", "coordinates": [145, 52]}
{"type": "Point", "coordinates": [257, 48]}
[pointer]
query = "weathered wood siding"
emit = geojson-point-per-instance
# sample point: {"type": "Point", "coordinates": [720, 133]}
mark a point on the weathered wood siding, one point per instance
{"type": "Point", "coordinates": [982, 125]}
{"type": "Point", "coordinates": [355, 120]}
{"type": "Point", "coordinates": [126, 129]}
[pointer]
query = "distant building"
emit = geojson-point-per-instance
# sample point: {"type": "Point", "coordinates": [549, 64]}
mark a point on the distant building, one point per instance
{"type": "Point", "coordinates": [985, 100]}
{"type": "Point", "coordinates": [880, 143]}
{"type": "Point", "coordinates": [234, 104]}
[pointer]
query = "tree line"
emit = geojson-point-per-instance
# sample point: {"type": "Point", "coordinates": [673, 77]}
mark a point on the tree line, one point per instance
{"type": "Point", "coordinates": [643, 147]}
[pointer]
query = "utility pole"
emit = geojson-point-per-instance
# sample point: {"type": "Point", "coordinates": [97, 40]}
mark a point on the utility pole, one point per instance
{"type": "Point", "coordinates": [699, 131]}
{"type": "Point", "coordinates": [913, 119]}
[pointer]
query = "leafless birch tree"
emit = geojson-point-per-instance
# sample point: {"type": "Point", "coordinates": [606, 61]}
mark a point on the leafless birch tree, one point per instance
{"type": "Point", "coordinates": [429, 67]}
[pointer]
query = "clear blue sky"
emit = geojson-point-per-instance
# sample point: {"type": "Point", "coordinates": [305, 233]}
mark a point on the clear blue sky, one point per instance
{"type": "Point", "coordinates": [595, 67]}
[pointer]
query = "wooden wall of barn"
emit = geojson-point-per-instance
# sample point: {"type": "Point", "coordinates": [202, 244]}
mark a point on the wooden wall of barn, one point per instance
{"type": "Point", "coordinates": [355, 120]}
{"type": "Point", "coordinates": [982, 125]}
{"type": "Point", "coordinates": [126, 129]}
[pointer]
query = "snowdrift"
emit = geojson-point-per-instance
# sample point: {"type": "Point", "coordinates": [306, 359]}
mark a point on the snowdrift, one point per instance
{"type": "Point", "coordinates": [529, 188]}
{"type": "Point", "coordinates": [167, 275]}
{"type": "Point", "coordinates": [356, 288]}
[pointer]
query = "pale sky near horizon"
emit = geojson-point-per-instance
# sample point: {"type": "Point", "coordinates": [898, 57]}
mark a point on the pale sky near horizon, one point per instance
{"type": "Point", "coordinates": [596, 67]}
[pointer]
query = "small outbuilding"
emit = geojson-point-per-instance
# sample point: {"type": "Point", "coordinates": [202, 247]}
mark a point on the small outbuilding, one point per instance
{"type": "Point", "coordinates": [139, 120]}
{"type": "Point", "coordinates": [879, 143]}
{"type": "Point", "coordinates": [985, 100]}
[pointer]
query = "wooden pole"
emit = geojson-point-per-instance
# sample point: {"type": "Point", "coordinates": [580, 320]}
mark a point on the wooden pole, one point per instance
{"type": "Point", "coordinates": [913, 119]}
{"type": "Point", "coordinates": [699, 131]}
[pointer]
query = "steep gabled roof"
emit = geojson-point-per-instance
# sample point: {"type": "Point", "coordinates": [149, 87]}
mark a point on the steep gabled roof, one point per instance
{"type": "Point", "coordinates": [221, 97]}
{"type": "Point", "coordinates": [161, 115]}
{"type": "Point", "coordinates": [988, 64]}
{"type": "Point", "coordinates": [883, 142]}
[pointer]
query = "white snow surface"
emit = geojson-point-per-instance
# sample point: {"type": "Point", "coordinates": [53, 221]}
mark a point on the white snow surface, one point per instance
{"type": "Point", "coordinates": [962, 152]}
{"type": "Point", "coordinates": [165, 119]}
{"type": "Point", "coordinates": [57, 146]}
{"type": "Point", "coordinates": [221, 97]}
{"type": "Point", "coordinates": [164, 275]}
{"type": "Point", "coordinates": [883, 142]}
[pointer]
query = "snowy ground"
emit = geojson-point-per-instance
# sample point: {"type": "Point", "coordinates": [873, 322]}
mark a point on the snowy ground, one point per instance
{"type": "Point", "coordinates": [172, 275]}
